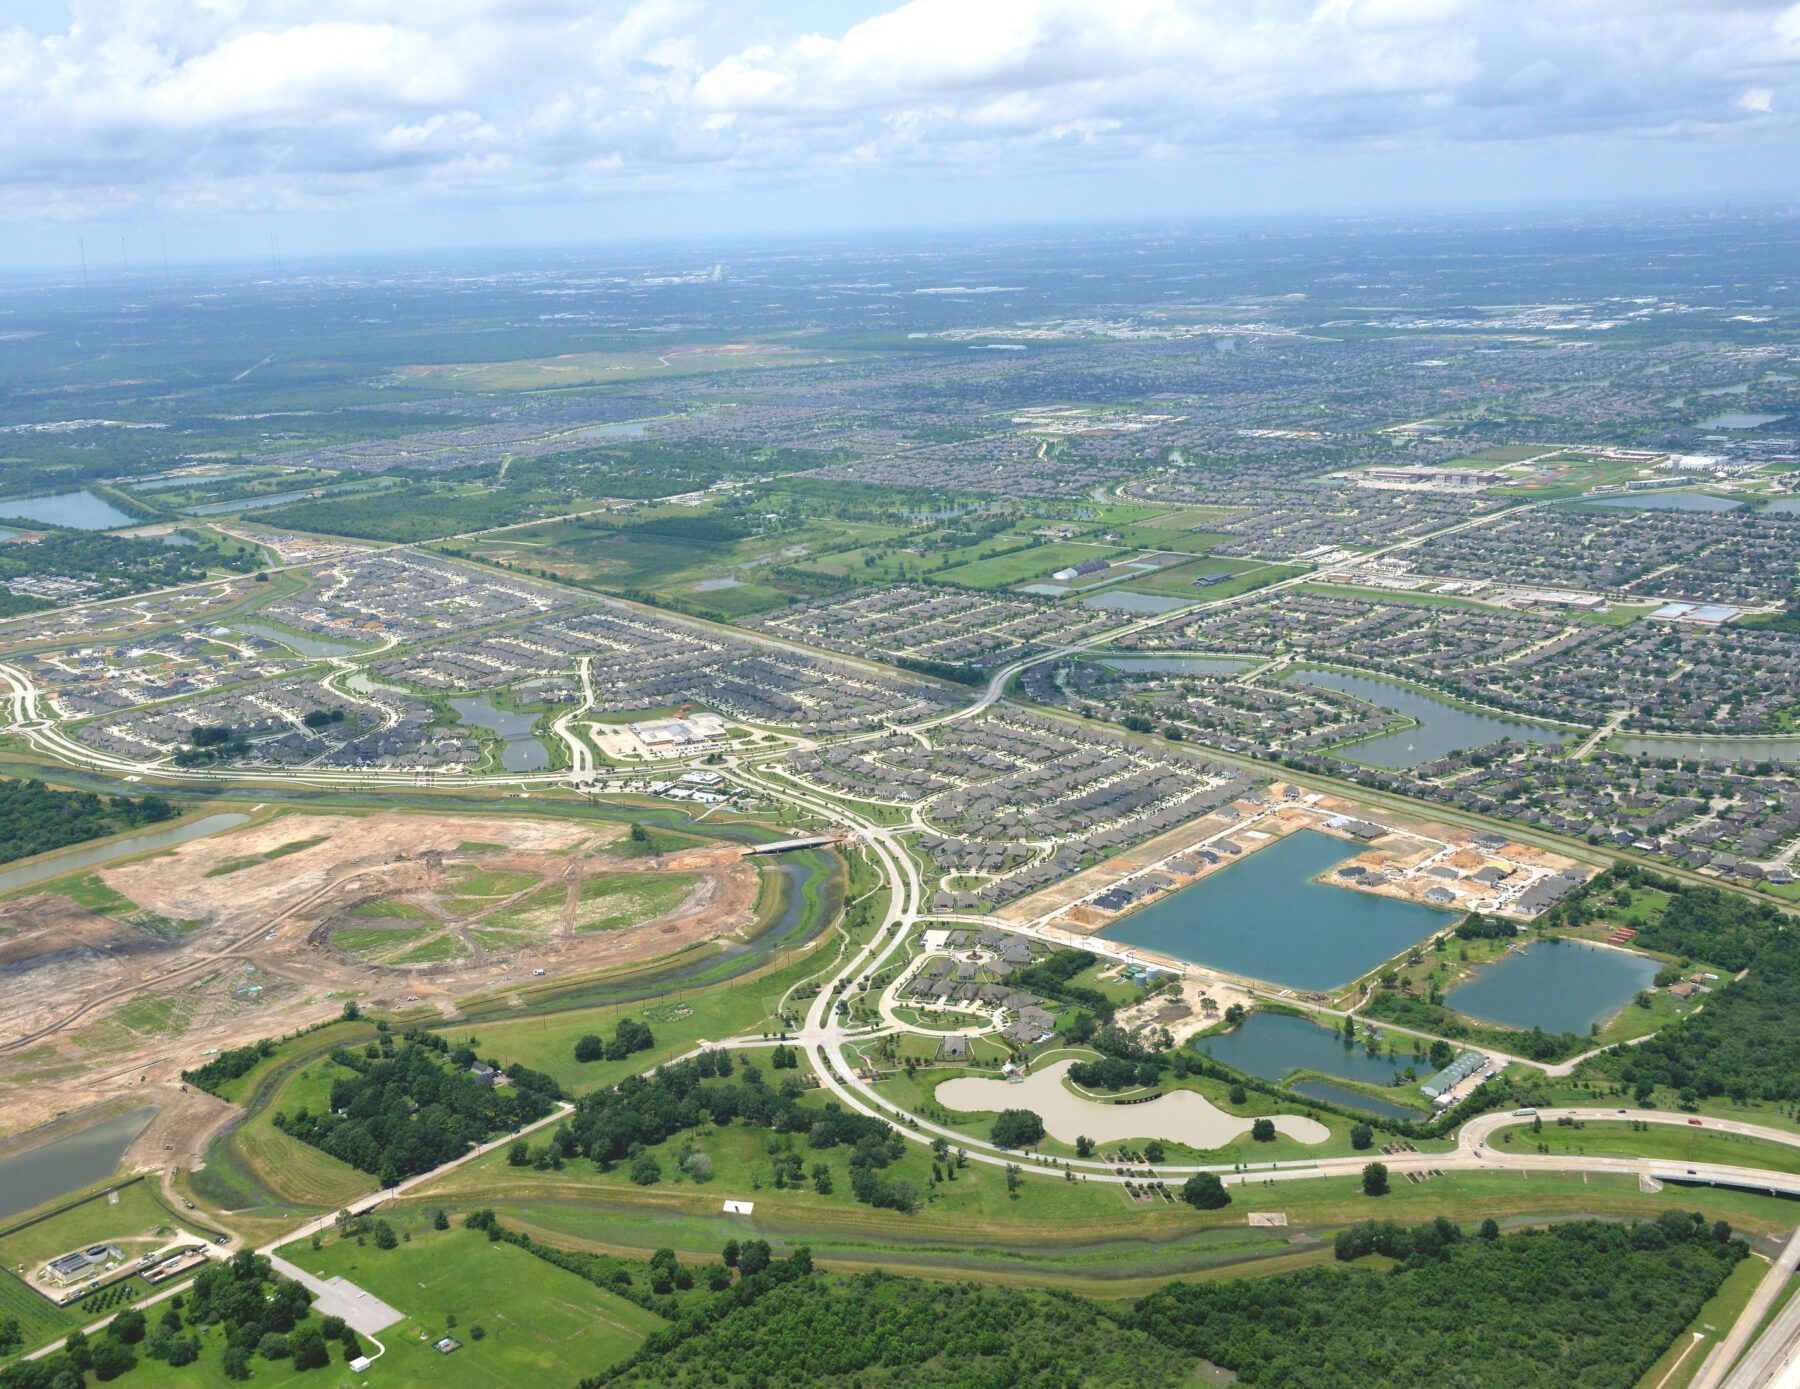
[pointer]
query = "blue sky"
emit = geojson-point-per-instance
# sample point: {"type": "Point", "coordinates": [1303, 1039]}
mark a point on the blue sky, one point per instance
{"type": "Point", "coordinates": [346, 125]}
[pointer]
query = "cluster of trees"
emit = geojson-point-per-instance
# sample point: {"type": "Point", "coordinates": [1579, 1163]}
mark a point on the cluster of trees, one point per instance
{"type": "Point", "coordinates": [1017, 1128]}
{"type": "Point", "coordinates": [406, 1113]}
{"type": "Point", "coordinates": [1535, 1044]}
{"type": "Point", "coordinates": [209, 743]}
{"type": "Point", "coordinates": [1743, 1044]}
{"type": "Point", "coordinates": [1205, 1192]}
{"type": "Point", "coordinates": [1475, 926]}
{"type": "Point", "coordinates": [1698, 923]}
{"type": "Point", "coordinates": [229, 1065]}
{"type": "Point", "coordinates": [881, 1332]}
{"type": "Point", "coordinates": [622, 1124]}
{"type": "Point", "coordinates": [1052, 978]}
{"type": "Point", "coordinates": [657, 1285]}
{"type": "Point", "coordinates": [1117, 1073]}
{"type": "Point", "coordinates": [1586, 1303]}
{"type": "Point", "coordinates": [628, 1037]}
{"type": "Point", "coordinates": [34, 819]}
{"type": "Point", "coordinates": [317, 719]}
{"type": "Point", "coordinates": [955, 673]}
{"type": "Point", "coordinates": [262, 1316]}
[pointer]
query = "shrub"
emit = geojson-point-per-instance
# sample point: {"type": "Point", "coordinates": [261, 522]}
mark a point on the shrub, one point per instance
{"type": "Point", "coordinates": [1205, 1192]}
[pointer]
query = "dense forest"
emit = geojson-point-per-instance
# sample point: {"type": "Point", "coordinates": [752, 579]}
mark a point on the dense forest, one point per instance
{"type": "Point", "coordinates": [1587, 1305]}
{"type": "Point", "coordinates": [34, 819]}
{"type": "Point", "coordinates": [881, 1332]}
{"type": "Point", "coordinates": [1590, 1305]}
{"type": "Point", "coordinates": [408, 1111]}
{"type": "Point", "coordinates": [1743, 1043]}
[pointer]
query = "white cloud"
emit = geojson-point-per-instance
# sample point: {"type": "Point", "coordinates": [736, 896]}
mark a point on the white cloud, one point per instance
{"type": "Point", "coordinates": [177, 103]}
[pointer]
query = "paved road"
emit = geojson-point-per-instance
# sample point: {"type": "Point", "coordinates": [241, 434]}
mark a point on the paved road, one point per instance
{"type": "Point", "coordinates": [1773, 1352]}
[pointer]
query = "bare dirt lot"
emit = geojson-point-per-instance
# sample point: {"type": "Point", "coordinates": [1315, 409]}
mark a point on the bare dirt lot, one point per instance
{"type": "Point", "coordinates": [242, 935]}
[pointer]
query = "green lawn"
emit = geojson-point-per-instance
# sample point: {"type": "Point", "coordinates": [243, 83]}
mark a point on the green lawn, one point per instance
{"type": "Point", "coordinates": [1033, 564]}
{"type": "Point", "coordinates": [542, 1325]}
{"type": "Point", "coordinates": [1681, 1362]}
{"type": "Point", "coordinates": [1663, 1141]}
{"type": "Point", "coordinates": [1083, 1237]}
{"type": "Point", "coordinates": [257, 1168]}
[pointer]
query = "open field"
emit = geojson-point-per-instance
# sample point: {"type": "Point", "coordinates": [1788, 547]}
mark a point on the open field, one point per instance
{"type": "Point", "coordinates": [595, 368]}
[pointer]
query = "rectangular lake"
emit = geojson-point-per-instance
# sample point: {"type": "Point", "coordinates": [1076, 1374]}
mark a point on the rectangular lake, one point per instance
{"type": "Point", "coordinates": [1558, 985]}
{"type": "Point", "coordinates": [1265, 918]}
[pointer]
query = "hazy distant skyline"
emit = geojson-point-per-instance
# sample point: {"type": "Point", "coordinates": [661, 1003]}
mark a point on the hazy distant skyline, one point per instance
{"type": "Point", "coordinates": [347, 125]}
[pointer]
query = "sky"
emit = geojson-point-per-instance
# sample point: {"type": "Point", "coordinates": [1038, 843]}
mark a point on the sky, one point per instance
{"type": "Point", "coordinates": [222, 128]}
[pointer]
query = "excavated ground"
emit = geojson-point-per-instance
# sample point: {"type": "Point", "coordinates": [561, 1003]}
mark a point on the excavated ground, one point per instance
{"type": "Point", "coordinates": [228, 939]}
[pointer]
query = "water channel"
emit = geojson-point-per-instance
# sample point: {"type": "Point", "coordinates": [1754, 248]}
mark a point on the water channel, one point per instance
{"type": "Point", "coordinates": [1665, 501]}
{"type": "Point", "coordinates": [30, 874]}
{"type": "Point", "coordinates": [1143, 604]}
{"type": "Point", "coordinates": [1442, 728]}
{"type": "Point", "coordinates": [1715, 749]}
{"type": "Point", "coordinates": [1266, 918]}
{"type": "Point", "coordinates": [297, 641]}
{"type": "Point", "coordinates": [278, 498]}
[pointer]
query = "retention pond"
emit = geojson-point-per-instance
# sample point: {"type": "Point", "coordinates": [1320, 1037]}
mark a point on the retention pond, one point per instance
{"type": "Point", "coordinates": [1266, 918]}
{"type": "Point", "coordinates": [1558, 985]}
{"type": "Point", "coordinates": [1275, 1045]}
{"type": "Point", "coordinates": [63, 1165]}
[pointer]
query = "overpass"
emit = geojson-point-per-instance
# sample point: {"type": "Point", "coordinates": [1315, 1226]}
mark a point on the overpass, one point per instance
{"type": "Point", "coordinates": [782, 846]}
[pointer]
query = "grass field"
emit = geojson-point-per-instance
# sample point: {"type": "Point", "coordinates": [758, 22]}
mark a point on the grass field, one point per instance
{"type": "Point", "coordinates": [1682, 1361]}
{"type": "Point", "coordinates": [260, 1171]}
{"type": "Point", "coordinates": [38, 1320]}
{"type": "Point", "coordinates": [132, 1222]}
{"type": "Point", "coordinates": [1036, 563]}
{"type": "Point", "coordinates": [540, 1325]}
{"type": "Point", "coordinates": [1665, 1141]}
{"type": "Point", "coordinates": [547, 1042]}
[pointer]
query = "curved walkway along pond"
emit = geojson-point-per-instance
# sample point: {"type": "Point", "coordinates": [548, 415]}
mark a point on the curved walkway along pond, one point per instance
{"type": "Point", "coordinates": [1180, 1116]}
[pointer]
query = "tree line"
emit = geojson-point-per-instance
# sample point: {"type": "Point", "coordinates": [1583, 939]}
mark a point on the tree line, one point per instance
{"type": "Point", "coordinates": [35, 819]}
{"type": "Point", "coordinates": [1587, 1303]}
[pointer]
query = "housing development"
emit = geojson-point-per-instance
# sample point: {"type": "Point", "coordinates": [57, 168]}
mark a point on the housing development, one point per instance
{"type": "Point", "coordinates": [575, 818]}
